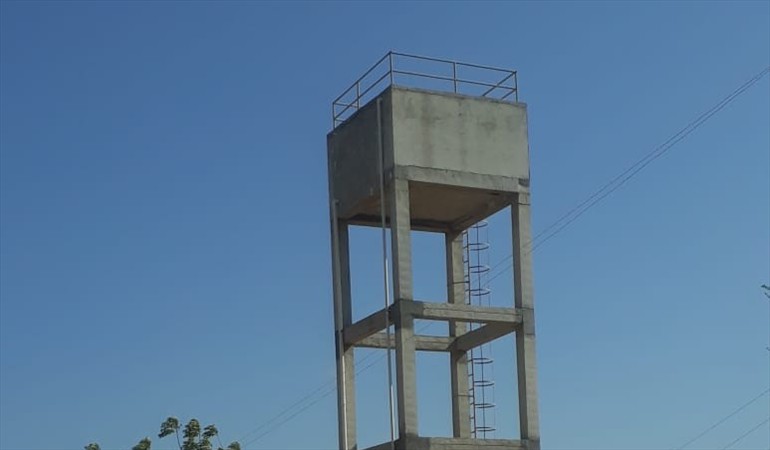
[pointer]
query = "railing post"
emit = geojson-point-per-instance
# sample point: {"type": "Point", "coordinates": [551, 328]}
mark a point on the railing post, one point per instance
{"type": "Point", "coordinates": [358, 95]}
{"type": "Point", "coordinates": [454, 75]}
{"type": "Point", "coordinates": [390, 67]}
{"type": "Point", "coordinates": [516, 86]}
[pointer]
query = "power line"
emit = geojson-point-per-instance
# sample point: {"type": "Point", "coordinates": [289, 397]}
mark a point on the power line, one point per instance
{"type": "Point", "coordinates": [327, 388]}
{"type": "Point", "coordinates": [629, 173]}
{"type": "Point", "coordinates": [723, 420]}
{"type": "Point", "coordinates": [618, 181]}
{"type": "Point", "coordinates": [288, 418]}
{"type": "Point", "coordinates": [655, 153]}
{"type": "Point", "coordinates": [746, 434]}
{"type": "Point", "coordinates": [307, 406]}
{"type": "Point", "coordinates": [288, 410]}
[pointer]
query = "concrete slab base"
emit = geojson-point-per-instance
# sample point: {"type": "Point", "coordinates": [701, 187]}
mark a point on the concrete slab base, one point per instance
{"type": "Point", "coordinates": [435, 443]}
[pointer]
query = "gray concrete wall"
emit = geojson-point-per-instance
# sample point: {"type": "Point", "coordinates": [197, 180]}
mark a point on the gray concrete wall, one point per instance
{"type": "Point", "coordinates": [467, 134]}
{"type": "Point", "coordinates": [434, 138]}
{"type": "Point", "coordinates": [353, 152]}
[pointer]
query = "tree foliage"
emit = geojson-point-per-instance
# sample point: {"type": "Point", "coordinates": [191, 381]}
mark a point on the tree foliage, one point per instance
{"type": "Point", "coordinates": [192, 437]}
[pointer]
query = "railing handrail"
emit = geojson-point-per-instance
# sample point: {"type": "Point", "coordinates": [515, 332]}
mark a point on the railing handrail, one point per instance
{"type": "Point", "coordinates": [459, 63]}
{"type": "Point", "coordinates": [392, 71]}
{"type": "Point", "coordinates": [374, 66]}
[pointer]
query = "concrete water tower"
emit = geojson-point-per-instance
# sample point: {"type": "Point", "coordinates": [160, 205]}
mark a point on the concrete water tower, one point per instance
{"type": "Point", "coordinates": [431, 145]}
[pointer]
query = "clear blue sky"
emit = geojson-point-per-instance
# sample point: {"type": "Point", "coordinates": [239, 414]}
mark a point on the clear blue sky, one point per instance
{"type": "Point", "coordinates": [165, 228]}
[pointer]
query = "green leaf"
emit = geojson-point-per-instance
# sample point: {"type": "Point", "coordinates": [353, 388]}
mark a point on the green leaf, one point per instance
{"type": "Point", "coordinates": [92, 446]}
{"type": "Point", "coordinates": [192, 429]}
{"type": "Point", "coordinates": [144, 444]}
{"type": "Point", "coordinates": [210, 431]}
{"type": "Point", "coordinates": [169, 426]}
{"type": "Point", "coordinates": [191, 432]}
{"type": "Point", "coordinates": [234, 446]}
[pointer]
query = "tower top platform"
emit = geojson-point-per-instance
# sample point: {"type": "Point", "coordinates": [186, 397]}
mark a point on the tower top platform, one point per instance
{"type": "Point", "coordinates": [460, 141]}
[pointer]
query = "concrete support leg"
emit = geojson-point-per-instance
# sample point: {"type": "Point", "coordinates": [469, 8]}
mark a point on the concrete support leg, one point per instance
{"type": "Point", "coordinates": [525, 338]}
{"type": "Point", "coordinates": [398, 203]}
{"type": "Point", "coordinates": [458, 360]}
{"type": "Point", "coordinates": [346, 400]}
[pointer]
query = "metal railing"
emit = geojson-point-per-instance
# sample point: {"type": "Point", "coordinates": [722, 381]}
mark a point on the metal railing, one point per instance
{"type": "Point", "coordinates": [406, 70]}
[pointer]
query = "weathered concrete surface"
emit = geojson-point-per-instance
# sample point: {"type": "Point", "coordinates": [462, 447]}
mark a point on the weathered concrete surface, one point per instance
{"type": "Point", "coordinates": [462, 156]}
{"type": "Point", "coordinates": [453, 132]}
{"type": "Point", "coordinates": [406, 359]}
{"type": "Point", "coordinates": [526, 366]}
{"type": "Point", "coordinates": [353, 157]}
{"type": "Point", "coordinates": [458, 359]}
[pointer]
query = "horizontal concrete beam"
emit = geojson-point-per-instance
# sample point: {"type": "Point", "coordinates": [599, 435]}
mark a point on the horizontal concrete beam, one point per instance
{"type": "Point", "coordinates": [463, 179]}
{"type": "Point", "coordinates": [462, 313]}
{"type": "Point", "coordinates": [481, 336]}
{"type": "Point", "coordinates": [421, 343]}
{"type": "Point", "coordinates": [384, 446]}
{"type": "Point", "coordinates": [367, 332]}
{"type": "Point", "coordinates": [420, 443]}
{"type": "Point", "coordinates": [480, 213]}
{"type": "Point", "coordinates": [355, 333]}
{"type": "Point", "coordinates": [416, 224]}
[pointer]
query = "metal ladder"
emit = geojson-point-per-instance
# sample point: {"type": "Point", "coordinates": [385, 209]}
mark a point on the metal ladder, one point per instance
{"type": "Point", "coordinates": [481, 384]}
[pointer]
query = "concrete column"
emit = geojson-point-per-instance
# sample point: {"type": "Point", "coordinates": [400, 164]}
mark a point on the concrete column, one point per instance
{"type": "Point", "coordinates": [458, 360]}
{"type": "Point", "coordinates": [525, 338]}
{"type": "Point", "coordinates": [346, 396]}
{"type": "Point", "coordinates": [400, 226]}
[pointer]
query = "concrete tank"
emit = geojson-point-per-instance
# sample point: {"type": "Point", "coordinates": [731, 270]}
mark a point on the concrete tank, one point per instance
{"type": "Point", "coordinates": [461, 154]}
